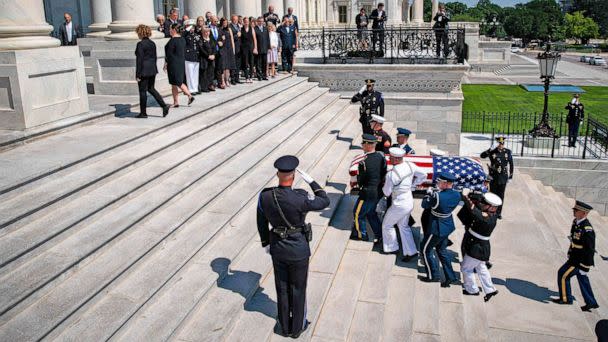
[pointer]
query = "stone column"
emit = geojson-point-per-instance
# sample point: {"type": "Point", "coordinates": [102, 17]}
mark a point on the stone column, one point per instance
{"type": "Point", "coordinates": [195, 8]}
{"type": "Point", "coordinates": [247, 7]}
{"type": "Point", "coordinates": [23, 26]}
{"type": "Point", "coordinates": [418, 12]}
{"type": "Point", "coordinates": [293, 4]}
{"type": "Point", "coordinates": [394, 12]}
{"type": "Point", "coordinates": [101, 13]}
{"type": "Point", "coordinates": [127, 14]}
{"type": "Point", "coordinates": [435, 9]}
{"type": "Point", "coordinates": [406, 12]}
{"type": "Point", "coordinates": [329, 13]}
{"type": "Point", "coordinates": [278, 7]}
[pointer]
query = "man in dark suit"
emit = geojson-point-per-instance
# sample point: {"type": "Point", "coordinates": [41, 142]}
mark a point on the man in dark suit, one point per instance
{"type": "Point", "coordinates": [271, 17]}
{"type": "Point", "coordinates": [287, 34]}
{"type": "Point", "coordinates": [263, 39]}
{"type": "Point", "coordinates": [215, 37]}
{"type": "Point", "coordinates": [173, 19]}
{"type": "Point", "coordinates": [379, 18]}
{"type": "Point", "coordinates": [68, 31]}
{"type": "Point", "coordinates": [236, 33]}
{"type": "Point", "coordinates": [290, 15]}
{"type": "Point", "coordinates": [441, 31]}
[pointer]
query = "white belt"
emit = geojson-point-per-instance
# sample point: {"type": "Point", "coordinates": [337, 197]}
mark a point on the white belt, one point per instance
{"type": "Point", "coordinates": [479, 236]}
{"type": "Point", "coordinates": [440, 215]}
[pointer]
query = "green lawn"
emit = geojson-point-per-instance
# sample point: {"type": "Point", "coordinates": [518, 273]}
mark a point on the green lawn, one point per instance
{"type": "Point", "coordinates": [494, 99]}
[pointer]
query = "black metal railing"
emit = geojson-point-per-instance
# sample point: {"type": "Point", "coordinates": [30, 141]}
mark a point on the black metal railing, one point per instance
{"type": "Point", "coordinates": [395, 44]}
{"type": "Point", "coordinates": [592, 140]}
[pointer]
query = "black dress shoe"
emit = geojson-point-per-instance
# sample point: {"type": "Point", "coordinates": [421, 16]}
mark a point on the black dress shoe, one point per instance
{"type": "Point", "coordinates": [407, 258]}
{"type": "Point", "coordinates": [489, 296]}
{"type": "Point", "coordinates": [279, 331]}
{"type": "Point", "coordinates": [464, 292]}
{"type": "Point", "coordinates": [296, 335]}
{"type": "Point", "coordinates": [190, 100]}
{"type": "Point", "coordinates": [559, 301]}
{"type": "Point", "coordinates": [165, 111]}
{"type": "Point", "coordinates": [142, 116]}
{"type": "Point", "coordinates": [429, 280]}
{"type": "Point", "coordinates": [588, 308]}
{"type": "Point", "coordinates": [488, 265]}
{"type": "Point", "coordinates": [265, 78]}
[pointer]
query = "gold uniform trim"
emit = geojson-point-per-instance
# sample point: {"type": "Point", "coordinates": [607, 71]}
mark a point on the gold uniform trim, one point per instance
{"type": "Point", "coordinates": [576, 246]}
{"type": "Point", "coordinates": [562, 288]}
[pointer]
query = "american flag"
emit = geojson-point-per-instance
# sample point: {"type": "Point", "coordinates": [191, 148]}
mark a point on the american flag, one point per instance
{"type": "Point", "coordinates": [468, 171]}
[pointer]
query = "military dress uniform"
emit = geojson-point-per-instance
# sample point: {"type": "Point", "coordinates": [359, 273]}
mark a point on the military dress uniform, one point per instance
{"type": "Point", "coordinates": [580, 261]}
{"type": "Point", "coordinates": [372, 103]}
{"type": "Point", "coordinates": [285, 209]}
{"type": "Point", "coordinates": [406, 147]}
{"type": "Point", "coordinates": [479, 226]}
{"type": "Point", "coordinates": [576, 114]}
{"type": "Point", "coordinates": [372, 171]}
{"type": "Point", "coordinates": [501, 169]}
{"type": "Point", "coordinates": [383, 139]}
{"type": "Point", "coordinates": [440, 225]}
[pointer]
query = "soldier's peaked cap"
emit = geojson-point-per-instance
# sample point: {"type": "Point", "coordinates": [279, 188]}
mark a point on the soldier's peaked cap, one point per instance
{"type": "Point", "coordinates": [403, 131]}
{"type": "Point", "coordinates": [492, 199]}
{"type": "Point", "coordinates": [501, 140]}
{"type": "Point", "coordinates": [446, 177]}
{"type": "Point", "coordinates": [377, 118]}
{"type": "Point", "coordinates": [370, 81]}
{"type": "Point", "coordinates": [582, 206]}
{"type": "Point", "coordinates": [368, 138]}
{"type": "Point", "coordinates": [286, 163]}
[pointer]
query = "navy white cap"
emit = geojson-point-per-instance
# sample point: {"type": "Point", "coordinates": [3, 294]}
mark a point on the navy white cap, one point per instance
{"type": "Point", "coordinates": [396, 152]}
{"type": "Point", "coordinates": [286, 163]}
{"type": "Point", "coordinates": [492, 199]}
{"type": "Point", "coordinates": [377, 118]}
{"type": "Point", "coordinates": [437, 152]}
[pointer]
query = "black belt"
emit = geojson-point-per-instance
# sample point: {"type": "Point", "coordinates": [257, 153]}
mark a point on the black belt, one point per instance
{"type": "Point", "coordinates": [283, 232]}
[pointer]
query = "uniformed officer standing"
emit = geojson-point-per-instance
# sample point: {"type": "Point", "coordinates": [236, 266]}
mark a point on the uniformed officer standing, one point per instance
{"type": "Point", "coordinates": [576, 114]}
{"type": "Point", "coordinates": [479, 220]}
{"type": "Point", "coordinates": [399, 183]}
{"type": "Point", "coordinates": [285, 209]}
{"type": "Point", "coordinates": [372, 103]}
{"type": "Point", "coordinates": [383, 139]}
{"type": "Point", "coordinates": [372, 171]}
{"type": "Point", "coordinates": [580, 259]}
{"type": "Point", "coordinates": [500, 159]}
{"type": "Point", "coordinates": [403, 134]}
{"type": "Point", "coordinates": [440, 225]}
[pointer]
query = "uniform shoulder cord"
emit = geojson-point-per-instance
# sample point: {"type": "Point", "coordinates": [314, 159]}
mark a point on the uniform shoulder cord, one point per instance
{"type": "Point", "coordinates": [276, 202]}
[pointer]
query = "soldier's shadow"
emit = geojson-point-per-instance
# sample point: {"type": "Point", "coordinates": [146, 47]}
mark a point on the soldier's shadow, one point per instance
{"type": "Point", "coordinates": [245, 284]}
{"type": "Point", "coordinates": [526, 289]}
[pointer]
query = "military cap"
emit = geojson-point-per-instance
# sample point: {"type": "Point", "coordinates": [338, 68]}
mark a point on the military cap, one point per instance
{"type": "Point", "coordinates": [492, 199]}
{"type": "Point", "coordinates": [577, 95]}
{"type": "Point", "coordinates": [446, 177]}
{"type": "Point", "coordinates": [437, 152]}
{"type": "Point", "coordinates": [369, 138]}
{"type": "Point", "coordinates": [286, 163]}
{"type": "Point", "coordinates": [377, 118]}
{"type": "Point", "coordinates": [404, 131]}
{"type": "Point", "coordinates": [582, 206]}
{"type": "Point", "coordinates": [396, 152]}
{"type": "Point", "coordinates": [501, 140]}
{"type": "Point", "coordinates": [370, 81]}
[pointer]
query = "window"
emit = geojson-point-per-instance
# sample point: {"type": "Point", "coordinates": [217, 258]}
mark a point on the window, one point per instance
{"type": "Point", "coordinates": [342, 14]}
{"type": "Point", "coordinates": [368, 9]}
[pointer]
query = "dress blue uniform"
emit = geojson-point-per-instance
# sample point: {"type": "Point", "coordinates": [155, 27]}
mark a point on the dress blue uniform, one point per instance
{"type": "Point", "coordinates": [404, 132]}
{"type": "Point", "coordinates": [576, 114]}
{"type": "Point", "coordinates": [580, 260]}
{"type": "Point", "coordinates": [285, 209]}
{"type": "Point", "coordinates": [439, 226]}
{"type": "Point", "coordinates": [372, 103]}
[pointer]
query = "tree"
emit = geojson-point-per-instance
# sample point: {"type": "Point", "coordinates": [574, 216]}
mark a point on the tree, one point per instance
{"type": "Point", "coordinates": [579, 27]}
{"type": "Point", "coordinates": [520, 24]}
{"type": "Point", "coordinates": [596, 10]}
{"type": "Point", "coordinates": [548, 18]}
{"type": "Point", "coordinates": [456, 8]}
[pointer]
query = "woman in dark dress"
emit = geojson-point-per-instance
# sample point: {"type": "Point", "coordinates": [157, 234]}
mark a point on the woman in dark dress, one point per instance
{"type": "Point", "coordinates": [145, 70]}
{"type": "Point", "coordinates": [175, 64]}
{"type": "Point", "coordinates": [248, 46]}
{"type": "Point", "coordinates": [207, 63]}
{"type": "Point", "coordinates": [228, 61]}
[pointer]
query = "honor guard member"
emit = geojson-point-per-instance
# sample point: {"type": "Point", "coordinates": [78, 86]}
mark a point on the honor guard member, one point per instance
{"type": "Point", "coordinates": [580, 259]}
{"type": "Point", "coordinates": [403, 134]}
{"type": "Point", "coordinates": [500, 159]}
{"type": "Point", "coordinates": [440, 225]}
{"type": "Point", "coordinates": [383, 139]}
{"type": "Point", "coordinates": [372, 103]}
{"type": "Point", "coordinates": [576, 114]}
{"type": "Point", "coordinates": [399, 183]}
{"type": "Point", "coordinates": [478, 215]}
{"type": "Point", "coordinates": [372, 170]}
{"type": "Point", "coordinates": [285, 209]}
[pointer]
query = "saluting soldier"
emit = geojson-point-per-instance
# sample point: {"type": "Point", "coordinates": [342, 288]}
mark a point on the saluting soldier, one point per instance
{"type": "Point", "coordinates": [372, 103]}
{"type": "Point", "coordinates": [383, 139]}
{"type": "Point", "coordinates": [501, 169]}
{"type": "Point", "coordinates": [403, 135]}
{"type": "Point", "coordinates": [576, 114]}
{"type": "Point", "coordinates": [440, 225]}
{"type": "Point", "coordinates": [372, 170]}
{"type": "Point", "coordinates": [580, 259]}
{"type": "Point", "coordinates": [479, 219]}
{"type": "Point", "coordinates": [285, 209]}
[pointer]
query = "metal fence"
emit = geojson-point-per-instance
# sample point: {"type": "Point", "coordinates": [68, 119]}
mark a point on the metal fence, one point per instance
{"type": "Point", "coordinates": [405, 45]}
{"type": "Point", "coordinates": [592, 140]}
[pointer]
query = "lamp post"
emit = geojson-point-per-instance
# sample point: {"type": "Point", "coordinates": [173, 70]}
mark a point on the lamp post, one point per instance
{"type": "Point", "coordinates": [547, 62]}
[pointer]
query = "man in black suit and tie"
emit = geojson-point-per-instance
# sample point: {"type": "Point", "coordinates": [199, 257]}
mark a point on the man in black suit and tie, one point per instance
{"type": "Point", "coordinates": [290, 15]}
{"type": "Point", "coordinates": [68, 31]}
{"type": "Point", "coordinates": [173, 19]}
{"type": "Point", "coordinates": [215, 37]}
{"type": "Point", "coordinates": [236, 33]}
{"type": "Point", "coordinates": [263, 39]}
{"type": "Point", "coordinates": [379, 18]}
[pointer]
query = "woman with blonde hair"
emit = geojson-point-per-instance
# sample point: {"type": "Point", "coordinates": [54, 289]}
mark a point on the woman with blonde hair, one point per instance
{"type": "Point", "coordinates": [273, 51]}
{"type": "Point", "coordinates": [145, 70]}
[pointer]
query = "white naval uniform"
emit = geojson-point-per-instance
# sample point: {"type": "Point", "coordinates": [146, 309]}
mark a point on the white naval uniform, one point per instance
{"type": "Point", "coordinates": [467, 266]}
{"type": "Point", "coordinates": [399, 183]}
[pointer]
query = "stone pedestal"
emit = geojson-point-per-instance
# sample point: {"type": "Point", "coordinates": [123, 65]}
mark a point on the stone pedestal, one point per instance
{"type": "Point", "coordinates": [41, 87]}
{"type": "Point", "coordinates": [393, 10]}
{"type": "Point", "coordinates": [86, 46]}
{"type": "Point", "coordinates": [471, 39]}
{"type": "Point", "coordinates": [114, 67]}
{"type": "Point", "coordinates": [542, 143]}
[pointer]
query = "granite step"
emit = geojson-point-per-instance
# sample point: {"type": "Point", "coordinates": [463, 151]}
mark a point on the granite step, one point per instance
{"type": "Point", "coordinates": [157, 225]}
{"type": "Point", "coordinates": [104, 138]}
{"type": "Point", "coordinates": [51, 194]}
{"type": "Point", "coordinates": [86, 206]}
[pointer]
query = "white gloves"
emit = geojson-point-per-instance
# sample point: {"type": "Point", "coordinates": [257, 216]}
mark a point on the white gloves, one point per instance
{"type": "Point", "coordinates": [429, 191]}
{"type": "Point", "coordinates": [362, 89]}
{"type": "Point", "coordinates": [267, 249]}
{"type": "Point", "coordinates": [466, 191]}
{"type": "Point", "coordinates": [305, 176]}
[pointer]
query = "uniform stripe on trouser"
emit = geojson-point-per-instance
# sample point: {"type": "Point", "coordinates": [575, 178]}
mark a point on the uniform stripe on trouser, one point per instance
{"type": "Point", "coordinates": [357, 219]}
{"type": "Point", "coordinates": [426, 261]}
{"type": "Point", "coordinates": [562, 288]}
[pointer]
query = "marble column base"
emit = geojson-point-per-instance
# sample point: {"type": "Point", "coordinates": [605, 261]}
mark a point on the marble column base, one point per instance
{"type": "Point", "coordinates": [113, 65]}
{"type": "Point", "coordinates": [31, 42]}
{"type": "Point", "coordinates": [98, 34]}
{"type": "Point", "coordinates": [41, 86]}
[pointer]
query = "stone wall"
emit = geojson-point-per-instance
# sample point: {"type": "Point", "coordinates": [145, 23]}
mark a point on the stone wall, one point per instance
{"type": "Point", "coordinates": [424, 98]}
{"type": "Point", "coordinates": [585, 180]}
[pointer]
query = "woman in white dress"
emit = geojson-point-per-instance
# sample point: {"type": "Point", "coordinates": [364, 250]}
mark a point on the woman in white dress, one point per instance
{"type": "Point", "coordinates": [273, 51]}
